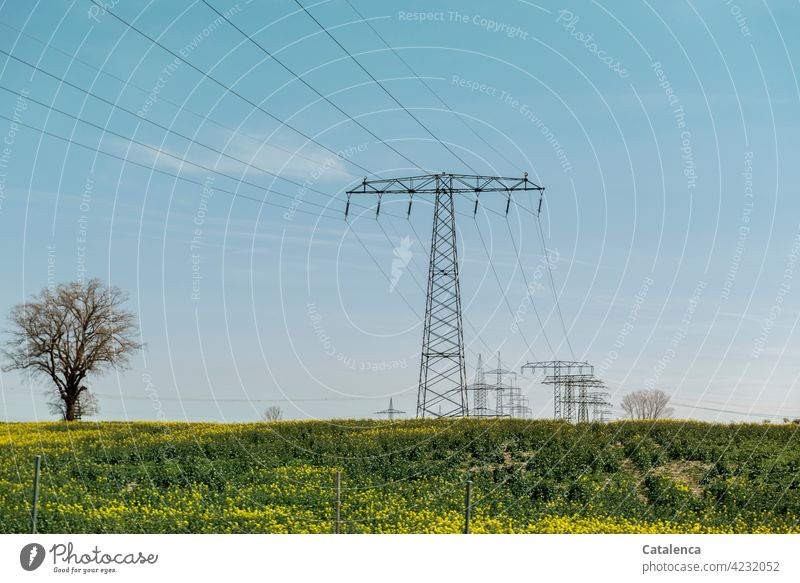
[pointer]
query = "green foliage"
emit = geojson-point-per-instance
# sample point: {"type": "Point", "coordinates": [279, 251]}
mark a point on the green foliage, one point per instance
{"type": "Point", "coordinates": [401, 477]}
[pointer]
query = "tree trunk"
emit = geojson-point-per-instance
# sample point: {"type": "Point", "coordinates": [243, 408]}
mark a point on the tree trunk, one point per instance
{"type": "Point", "coordinates": [70, 403]}
{"type": "Point", "coordinates": [69, 409]}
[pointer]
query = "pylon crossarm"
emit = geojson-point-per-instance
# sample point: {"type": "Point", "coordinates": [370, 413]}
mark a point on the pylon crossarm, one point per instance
{"type": "Point", "coordinates": [456, 183]}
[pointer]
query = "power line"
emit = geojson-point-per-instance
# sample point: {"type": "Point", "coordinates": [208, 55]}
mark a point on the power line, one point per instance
{"type": "Point", "coordinates": [729, 411]}
{"type": "Point", "coordinates": [423, 290]}
{"type": "Point", "coordinates": [427, 86]}
{"type": "Point", "coordinates": [255, 105]}
{"type": "Point", "coordinates": [230, 90]}
{"type": "Point", "coordinates": [161, 98]}
{"type": "Point", "coordinates": [553, 286]}
{"type": "Point", "coordinates": [138, 118]}
{"type": "Point", "coordinates": [215, 400]}
{"type": "Point", "coordinates": [431, 134]}
{"type": "Point", "coordinates": [164, 172]}
{"type": "Point", "coordinates": [158, 151]}
{"type": "Point", "coordinates": [300, 78]}
{"type": "Point", "coordinates": [183, 108]}
{"type": "Point", "coordinates": [393, 98]}
{"type": "Point", "coordinates": [314, 89]}
{"type": "Point", "coordinates": [503, 292]}
{"type": "Point", "coordinates": [232, 193]}
{"type": "Point", "coordinates": [219, 400]}
{"type": "Point", "coordinates": [413, 278]}
{"type": "Point", "coordinates": [160, 126]}
{"type": "Point", "coordinates": [528, 289]}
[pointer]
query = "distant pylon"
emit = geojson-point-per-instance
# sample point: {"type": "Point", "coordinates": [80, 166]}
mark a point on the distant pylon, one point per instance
{"type": "Point", "coordinates": [480, 391]}
{"type": "Point", "coordinates": [391, 411]}
{"type": "Point", "coordinates": [509, 401]}
{"type": "Point", "coordinates": [577, 392]}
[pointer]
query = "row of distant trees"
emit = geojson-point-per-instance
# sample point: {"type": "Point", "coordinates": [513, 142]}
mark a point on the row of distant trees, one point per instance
{"type": "Point", "coordinates": [78, 329]}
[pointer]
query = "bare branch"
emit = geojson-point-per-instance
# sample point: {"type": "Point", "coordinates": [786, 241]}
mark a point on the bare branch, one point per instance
{"type": "Point", "coordinates": [652, 404]}
{"type": "Point", "coordinates": [273, 413]}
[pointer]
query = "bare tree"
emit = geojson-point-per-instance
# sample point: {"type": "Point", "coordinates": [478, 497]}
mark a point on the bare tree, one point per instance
{"type": "Point", "coordinates": [273, 413]}
{"type": "Point", "coordinates": [68, 333]}
{"type": "Point", "coordinates": [650, 404]}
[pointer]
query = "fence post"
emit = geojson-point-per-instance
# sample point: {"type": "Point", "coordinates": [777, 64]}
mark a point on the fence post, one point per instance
{"type": "Point", "coordinates": [467, 506]}
{"type": "Point", "coordinates": [37, 469]}
{"type": "Point", "coordinates": [338, 502]}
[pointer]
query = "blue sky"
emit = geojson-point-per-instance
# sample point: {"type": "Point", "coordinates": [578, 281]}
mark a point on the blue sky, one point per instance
{"type": "Point", "coordinates": [666, 135]}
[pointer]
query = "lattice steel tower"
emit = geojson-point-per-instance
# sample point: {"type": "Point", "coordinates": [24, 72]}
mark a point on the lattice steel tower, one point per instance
{"type": "Point", "coordinates": [442, 372]}
{"type": "Point", "coordinates": [577, 392]}
{"type": "Point", "coordinates": [480, 391]}
{"type": "Point", "coordinates": [391, 411]}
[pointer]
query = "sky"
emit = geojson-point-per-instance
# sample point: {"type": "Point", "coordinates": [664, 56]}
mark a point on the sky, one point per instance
{"type": "Point", "coordinates": [208, 181]}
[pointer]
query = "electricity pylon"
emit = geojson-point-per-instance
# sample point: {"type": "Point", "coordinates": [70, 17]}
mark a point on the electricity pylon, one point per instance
{"type": "Point", "coordinates": [480, 391]}
{"type": "Point", "coordinates": [576, 390]}
{"type": "Point", "coordinates": [559, 371]}
{"type": "Point", "coordinates": [442, 373]}
{"type": "Point", "coordinates": [391, 411]}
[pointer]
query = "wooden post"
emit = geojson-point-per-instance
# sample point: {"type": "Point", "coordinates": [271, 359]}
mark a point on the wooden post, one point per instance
{"type": "Point", "coordinates": [338, 502]}
{"type": "Point", "coordinates": [468, 506]}
{"type": "Point", "coordinates": [36, 471]}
